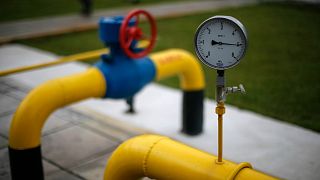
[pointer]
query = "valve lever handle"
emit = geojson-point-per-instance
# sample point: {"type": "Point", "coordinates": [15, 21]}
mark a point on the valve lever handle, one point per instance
{"type": "Point", "coordinates": [236, 89]}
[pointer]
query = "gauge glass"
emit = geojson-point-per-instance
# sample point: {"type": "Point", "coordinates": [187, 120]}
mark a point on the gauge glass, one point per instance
{"type": "Point", "coordinates": [220, 42]}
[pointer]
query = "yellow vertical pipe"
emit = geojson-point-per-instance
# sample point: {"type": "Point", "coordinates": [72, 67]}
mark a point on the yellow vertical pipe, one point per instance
{"type": "Point", "coordinates": [220, 110]}
{"type": "Point", "coordinates": [26, 126]}
{"type": "Point", "coordinates": [220, 138]}
{"type": "Point", "coordinates": [159, 157]}
{"type": "Point", "coordinates": [76, 57]}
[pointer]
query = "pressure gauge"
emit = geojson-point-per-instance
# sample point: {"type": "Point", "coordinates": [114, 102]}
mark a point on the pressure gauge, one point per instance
{"type": "Point", "coordinates": [220, 42]}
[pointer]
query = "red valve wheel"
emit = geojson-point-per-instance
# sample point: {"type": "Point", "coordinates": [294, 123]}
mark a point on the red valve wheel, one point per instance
{"type": "Point", "coordinates": [128, 34]}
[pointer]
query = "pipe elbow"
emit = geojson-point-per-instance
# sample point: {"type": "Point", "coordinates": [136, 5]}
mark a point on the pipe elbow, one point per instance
{"type": "Point", "coordinates": [182, 63]}
{"type": "Point", "coordinates": [125, 77]}
{"type": "Point", "coordinates": [25, 130]}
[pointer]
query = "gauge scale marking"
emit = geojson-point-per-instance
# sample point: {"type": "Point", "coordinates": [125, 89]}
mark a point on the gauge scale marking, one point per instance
{"type": "Point", "coordinates": [220, 42]}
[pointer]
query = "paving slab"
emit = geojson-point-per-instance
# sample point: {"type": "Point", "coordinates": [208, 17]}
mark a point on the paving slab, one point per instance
{"type": "Point", "coordinates": [3, 87]}
{"type": "Point", "coordinates": [49, 168]}
{"type": "Point", "coordinates": [52, 125]}
{"type": "Point", "coordinates": [93, 169]}
{"type": "Point", "coordinates": [16, 93]}
{"type": "Point", "coordinates": [72, 116]}
{"type": "Point", "coordinates": [62, 175]}
{"type": "Point", "coordinates": [7, 104]}
{"type": "Point", "coordinates": [3, 142]}
{"type": "Point", "coordinates": [275, 147]}
{"type": "Point", "coordinates": [76, 143]}
{"type": "Point", "coordinates": [108, 127]}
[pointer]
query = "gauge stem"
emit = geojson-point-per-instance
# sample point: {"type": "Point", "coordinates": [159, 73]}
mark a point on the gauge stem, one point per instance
{"type": "Point", "coordinates": [220, 86]}
{"type": "Point", "coordinates": [220, 110]}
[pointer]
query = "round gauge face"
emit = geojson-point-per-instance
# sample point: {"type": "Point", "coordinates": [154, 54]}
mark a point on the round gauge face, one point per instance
{"type": "Point", "coordinates": [220, 42]}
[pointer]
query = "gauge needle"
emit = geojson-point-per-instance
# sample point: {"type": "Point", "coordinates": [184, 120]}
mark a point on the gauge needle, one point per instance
{"type": "Point", "coordinates": [213, 42]}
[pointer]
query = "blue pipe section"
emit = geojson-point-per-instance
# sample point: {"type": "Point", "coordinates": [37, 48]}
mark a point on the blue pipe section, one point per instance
{"type": "Point", "coordinates": [125, 77]}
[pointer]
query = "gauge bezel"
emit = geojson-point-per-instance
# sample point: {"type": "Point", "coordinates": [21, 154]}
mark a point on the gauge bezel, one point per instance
{"type": "Point", "coordinates": [225, 18]}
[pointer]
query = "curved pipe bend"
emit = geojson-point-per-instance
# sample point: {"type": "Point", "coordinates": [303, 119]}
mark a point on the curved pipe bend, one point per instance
{"type": "Point", "coordinates": [26, 126]}
{"type": "Point", "coordinates": [182, 63]}
{"type": "Point", "coordinates": [159, 157]}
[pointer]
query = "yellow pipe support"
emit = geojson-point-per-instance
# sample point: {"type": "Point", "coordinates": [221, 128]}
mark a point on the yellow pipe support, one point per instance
{"type": "Point", "coordinates": [25, 131]}
{"type": "Point", "coordinates": [179, 62]}
{"type": "Point", "coordinates": [159, 157]}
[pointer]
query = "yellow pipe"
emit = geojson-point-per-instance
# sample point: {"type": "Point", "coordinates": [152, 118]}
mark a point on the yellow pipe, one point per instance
{"type": "Point", "coordinates": [179, 62]}
{"type": "Point", "coordinates": [25, 131]}
{"type": "Point", "coordinates": [76, 57]}
{"type": "Point", "coordinates": [159, 157]}
{"type": "Point", "coordinates": [220, 138]}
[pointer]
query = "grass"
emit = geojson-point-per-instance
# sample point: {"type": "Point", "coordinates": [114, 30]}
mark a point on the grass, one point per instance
{"type": "Point", "coordinates": [21, 9]}
{"type": "Point", "coordinates": [280, 70]}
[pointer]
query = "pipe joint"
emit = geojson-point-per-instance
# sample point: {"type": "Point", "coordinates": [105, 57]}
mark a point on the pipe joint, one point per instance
{"type": "Point", "coordinates": [125, 77]}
